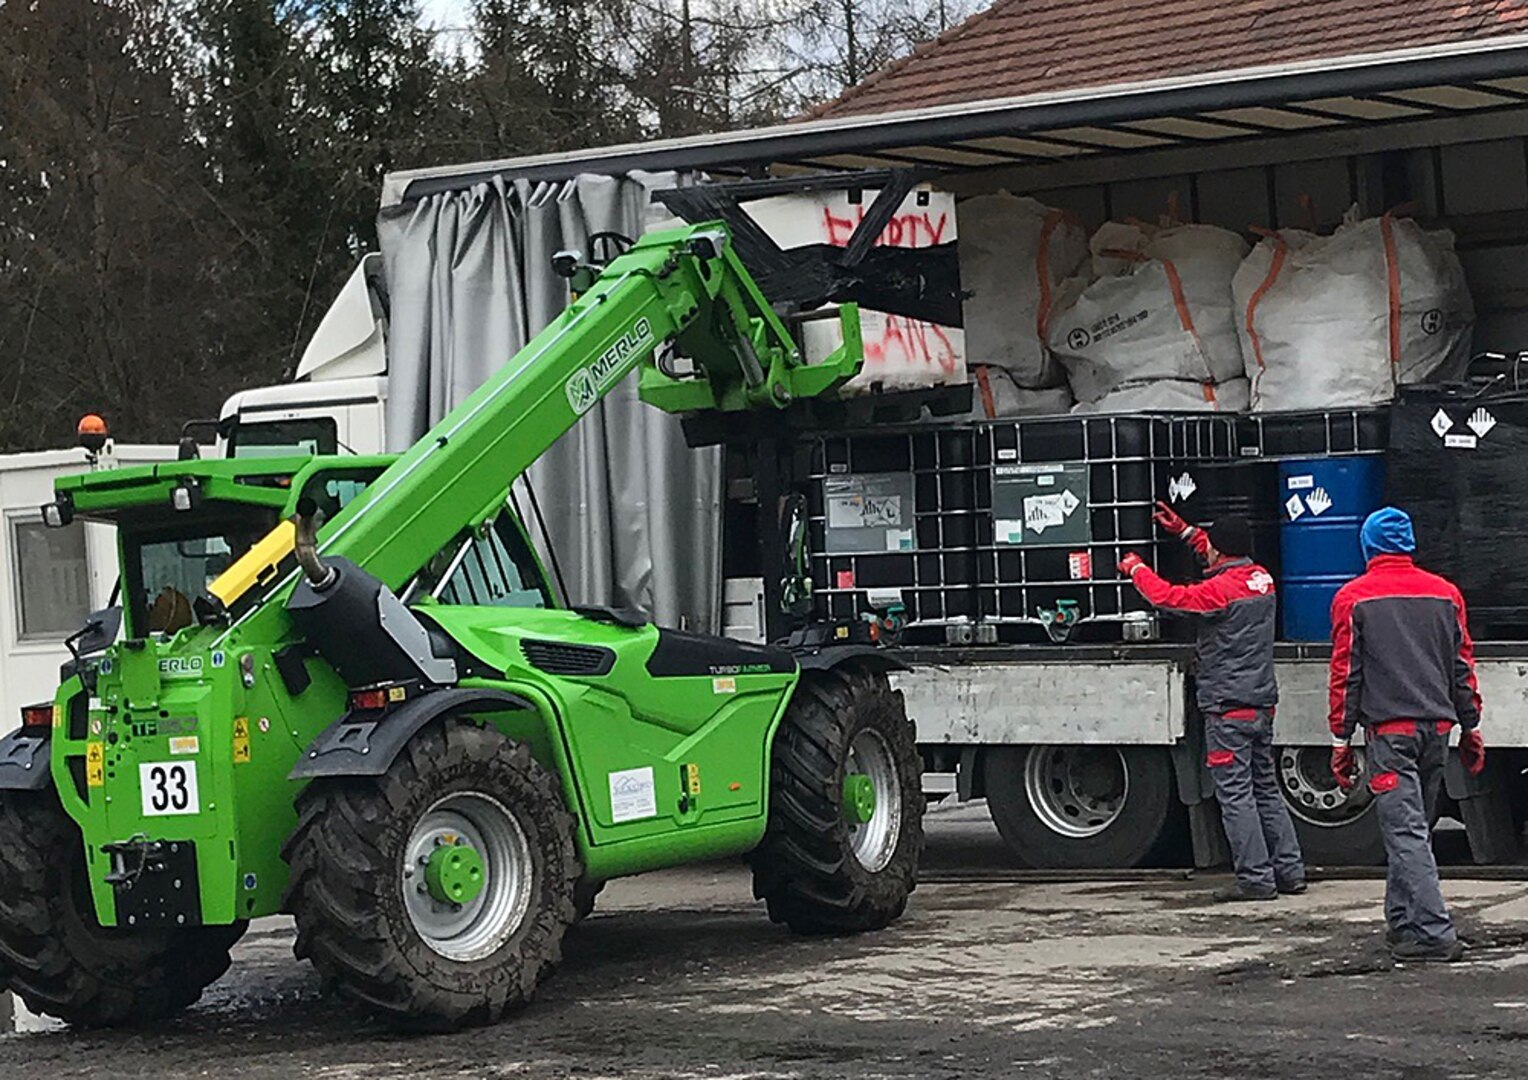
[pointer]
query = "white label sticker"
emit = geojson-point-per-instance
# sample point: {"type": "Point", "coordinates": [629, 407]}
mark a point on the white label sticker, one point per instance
{"type": "Point", "coordinates": [724, 686]}
{"type": "Point", "coordinates": [1301, 483]}
{"type": "Point", "coordinates": [1318, 502]}
{"type": "Point", "coordinates": [1481, 422]}
{"type": "Point", "coordinates": [633, 795]}
{"type": "Point", "coordinates": [864, 511]}
{"type": "Point", "coordinates": [1441, 423]}
{"type": "Point", "coordinates": [1460, 442]}
{"type": "Point", "coordinates": [899, 539]}
{"type": "Point", "coordinates": [1009, 531]}
{"type": "Point", "coordinates": [1180, 488]}
{"type": "Point", "coordinates": [184, 744]}
{"type": "Point", "coordinates": [1006, 453]}
{"type": "Point", "coordinates": [1294, 507]}
{"type": "Point", "coordinates": [168, 787]}
{"type": "Point", "coordinates": [1045, 481]}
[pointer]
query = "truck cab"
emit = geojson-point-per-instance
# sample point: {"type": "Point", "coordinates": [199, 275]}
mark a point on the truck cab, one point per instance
{"type": "Point", "coordinates": [335, 402]}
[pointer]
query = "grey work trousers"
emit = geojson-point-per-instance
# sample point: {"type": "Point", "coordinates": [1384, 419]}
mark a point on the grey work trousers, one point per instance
{"type": "Point", "coordinates": [1405, 775]}
{"type": "Point", "coordinates": [1264, 848]}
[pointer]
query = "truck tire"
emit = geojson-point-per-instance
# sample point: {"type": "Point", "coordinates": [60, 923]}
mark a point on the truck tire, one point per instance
{"type": "Point", "coordinates": [437, 894]}
{"type": "Point", "coordinates": [59, 960]}
{"type": "Point", "coordinates": [1084, 807]}
{"type": "Point", "coordinates": [844, 732]}
{"type": "Point", "coordinates": [1336, 828]}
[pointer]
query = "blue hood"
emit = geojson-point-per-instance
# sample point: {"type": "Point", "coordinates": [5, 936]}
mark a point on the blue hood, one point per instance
{"type": "Point", "coordinates": [1387, 532]}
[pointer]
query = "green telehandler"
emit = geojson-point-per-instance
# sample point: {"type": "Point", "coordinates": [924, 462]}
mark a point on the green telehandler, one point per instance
{"type": "Point", "coordinates": [344, 688]}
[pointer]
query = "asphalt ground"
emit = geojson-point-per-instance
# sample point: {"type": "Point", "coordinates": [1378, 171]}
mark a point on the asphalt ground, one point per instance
{"type": "Point", "coordinates": [679, 976]}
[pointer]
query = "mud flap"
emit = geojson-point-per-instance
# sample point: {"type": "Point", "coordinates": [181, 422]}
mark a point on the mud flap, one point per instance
{"type": "Point", "coordinates": [1485, 805]}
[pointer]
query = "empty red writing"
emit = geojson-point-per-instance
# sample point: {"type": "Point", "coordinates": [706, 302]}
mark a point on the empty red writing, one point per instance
{"type": "Point", "coordinates": [907, 342]}
{"type": "Point", "coordinates": [905, 230]}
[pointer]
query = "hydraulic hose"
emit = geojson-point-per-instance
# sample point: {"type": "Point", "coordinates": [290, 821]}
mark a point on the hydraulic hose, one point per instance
{"type": "Point", "coordinates": [320, 575]}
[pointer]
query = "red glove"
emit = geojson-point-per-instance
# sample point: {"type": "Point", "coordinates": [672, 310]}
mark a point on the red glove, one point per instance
{"type": "Point", "coordinates": [1472, 751]}
{"type": "Point", "coordinates": [1130, 564]}
{"type": "Point", "coordinates": [1344, 766]}
{"type": "Point", "coordinates": [1169, 520]}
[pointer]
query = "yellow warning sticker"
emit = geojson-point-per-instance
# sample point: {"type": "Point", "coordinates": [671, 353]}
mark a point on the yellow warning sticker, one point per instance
{"type": "Point", "coordinates": [692, 779]}
{"type": "Point", "coordinates": [95, 764]}
{"type": "Point", "coordinates": [58, 716]}
{"type": "Point", "coordinates": [396, 693]}
{"type": "Point", "coordinates": [184, 744]}
{"type": "Point", "coordinates": [724, 686]}
{"type": "Point", "coordinates": [241, 740]}
{"type": "Point", "coordinates": [241, 727]}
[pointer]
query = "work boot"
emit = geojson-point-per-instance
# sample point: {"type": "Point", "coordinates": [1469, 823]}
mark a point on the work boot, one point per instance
{"type": "Point", "coordinates": [1427, 952]}
{"type": "Point", "coordinates": [1293, 888]}
{"type": "Point", "coordinates": [1236, 894]}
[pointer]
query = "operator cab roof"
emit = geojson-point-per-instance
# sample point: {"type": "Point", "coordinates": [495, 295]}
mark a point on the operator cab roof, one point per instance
{"type": "Point", "coordinates": [265, 482]}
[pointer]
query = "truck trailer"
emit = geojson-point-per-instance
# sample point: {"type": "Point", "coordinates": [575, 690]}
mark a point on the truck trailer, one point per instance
{"type": "Point", "coordinates": [1088, 753]}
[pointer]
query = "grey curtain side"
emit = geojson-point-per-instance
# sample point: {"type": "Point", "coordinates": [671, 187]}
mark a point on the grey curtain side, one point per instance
{"type": "Point", "coordinates": [634, 515]}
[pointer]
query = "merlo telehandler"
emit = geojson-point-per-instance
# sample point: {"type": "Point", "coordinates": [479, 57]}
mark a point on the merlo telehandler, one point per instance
{"type": "Point", "coordinates": [344, 688]}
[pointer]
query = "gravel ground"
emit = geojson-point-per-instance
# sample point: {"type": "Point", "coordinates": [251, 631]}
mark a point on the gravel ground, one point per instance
{"type": "Point", "coordinates": [679, 975]}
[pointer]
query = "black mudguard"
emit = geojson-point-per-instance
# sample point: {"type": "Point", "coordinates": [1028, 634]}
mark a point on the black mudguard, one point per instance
{"type": "Point", "coordinates": [24, 761]}
{"type": "Point", "coordinates": [828, 657]}
{"type": "Point", "coordinates": [366, 743]}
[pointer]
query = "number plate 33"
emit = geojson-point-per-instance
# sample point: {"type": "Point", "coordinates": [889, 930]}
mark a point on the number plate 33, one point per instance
{"type": "Point", "coordinates": [168, 787]}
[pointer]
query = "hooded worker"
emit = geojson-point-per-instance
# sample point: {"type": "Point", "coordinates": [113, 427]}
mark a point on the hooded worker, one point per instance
{"type": "Point", "coordinates": [1236, 694]}
{"type": "Point", "coordinates": [1403, 668]}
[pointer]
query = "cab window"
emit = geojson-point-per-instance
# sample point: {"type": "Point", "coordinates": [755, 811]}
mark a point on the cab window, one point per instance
{"type": "Point", "coordinates": [495, 569]}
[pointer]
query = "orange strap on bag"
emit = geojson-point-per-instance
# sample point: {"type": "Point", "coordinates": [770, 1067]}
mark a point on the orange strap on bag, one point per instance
{"type": "Point", "coordinates": [1280, 253]}
{"type": "Point", "coordinates": [984, 384]}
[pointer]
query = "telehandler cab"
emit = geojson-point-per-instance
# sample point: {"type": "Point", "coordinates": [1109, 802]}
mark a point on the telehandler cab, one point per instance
{"type": "Point", "coordinates": [345, 689]}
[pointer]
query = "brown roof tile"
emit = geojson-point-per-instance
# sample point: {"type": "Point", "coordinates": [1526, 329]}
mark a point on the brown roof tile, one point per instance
{"type": "Point", "coordinates": [1020, 47]}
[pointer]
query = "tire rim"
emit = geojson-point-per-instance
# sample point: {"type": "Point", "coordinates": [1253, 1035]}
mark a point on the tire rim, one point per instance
{"type": "Point", "coordinates": [1076, 791]}
{"type": "Point", "coordinates": [874, 842]}
{"type": "Point", "coordinates": [1311, 792]}
{"type": "Point", "coordinates": [477, 928]}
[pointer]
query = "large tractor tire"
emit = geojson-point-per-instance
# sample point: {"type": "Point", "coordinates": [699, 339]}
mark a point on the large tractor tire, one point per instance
{"type": "Point", "coordinates": [437, 894]}
{"type": "Point", "coordinates": [1085, 807]}
{"type": "Point", "coordinates": [845, 830]}
{"type": "Point", "coordinates": [59, 960]}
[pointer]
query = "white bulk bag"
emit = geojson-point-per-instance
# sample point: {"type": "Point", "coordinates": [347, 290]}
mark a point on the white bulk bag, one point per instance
{"type": "Point", "coordinates": [1158, 305]}
{"type": "Point", "coordinates": [1014, 253]}
{"type": "Point", "coordinates": [1338, 321]}
{"type": "Point", "coordinates": [1173, 395]}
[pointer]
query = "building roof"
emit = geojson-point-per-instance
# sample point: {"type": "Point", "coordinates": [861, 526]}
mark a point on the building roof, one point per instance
{"type": "Point", "coordinates": [1018, 48]}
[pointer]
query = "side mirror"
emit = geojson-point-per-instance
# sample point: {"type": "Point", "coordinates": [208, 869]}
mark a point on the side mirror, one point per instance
{"type": "Point", "coordinates": [99, 631]}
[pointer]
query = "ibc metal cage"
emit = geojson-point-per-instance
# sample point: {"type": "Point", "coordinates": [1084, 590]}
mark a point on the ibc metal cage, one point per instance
{"type": "Point", "coordinates": [1012, 528]}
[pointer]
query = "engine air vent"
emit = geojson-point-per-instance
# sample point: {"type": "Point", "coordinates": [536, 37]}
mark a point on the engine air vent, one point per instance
{"type": "Point", "coordinates": [560, 658]}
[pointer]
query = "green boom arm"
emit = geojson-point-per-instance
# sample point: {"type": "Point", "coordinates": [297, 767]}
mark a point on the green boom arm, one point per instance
{"type": "Point", "coordinates": [678, 293]}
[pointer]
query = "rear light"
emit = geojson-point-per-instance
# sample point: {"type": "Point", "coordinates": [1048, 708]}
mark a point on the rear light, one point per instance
{"type": "Point", "coordinates": [368, 699]}
{"type": "Point", "coordinates": [37, 716]}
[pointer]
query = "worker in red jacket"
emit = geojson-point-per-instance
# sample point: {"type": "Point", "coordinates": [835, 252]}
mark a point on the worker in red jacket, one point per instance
{"type": "Point", "coordinates": [1403, 668]}
{"type": "Point", "coordinates": [1236, 692]}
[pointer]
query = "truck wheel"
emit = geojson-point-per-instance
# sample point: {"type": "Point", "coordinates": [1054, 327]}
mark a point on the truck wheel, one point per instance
{"type": "Point", "coordinates": [840, 854]}
{"type": "Point", "coordinates": [54, 954]}
{"type": "Point", "coordinates": [438, 893]}
{"type": "Point", "coordinates": [1336, 827]}
{"type": "Point", "coordinates": [1084, 807]}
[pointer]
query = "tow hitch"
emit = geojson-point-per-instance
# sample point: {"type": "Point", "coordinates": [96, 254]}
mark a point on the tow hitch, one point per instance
{"type": "Point", "coordinates": [155, 882]}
